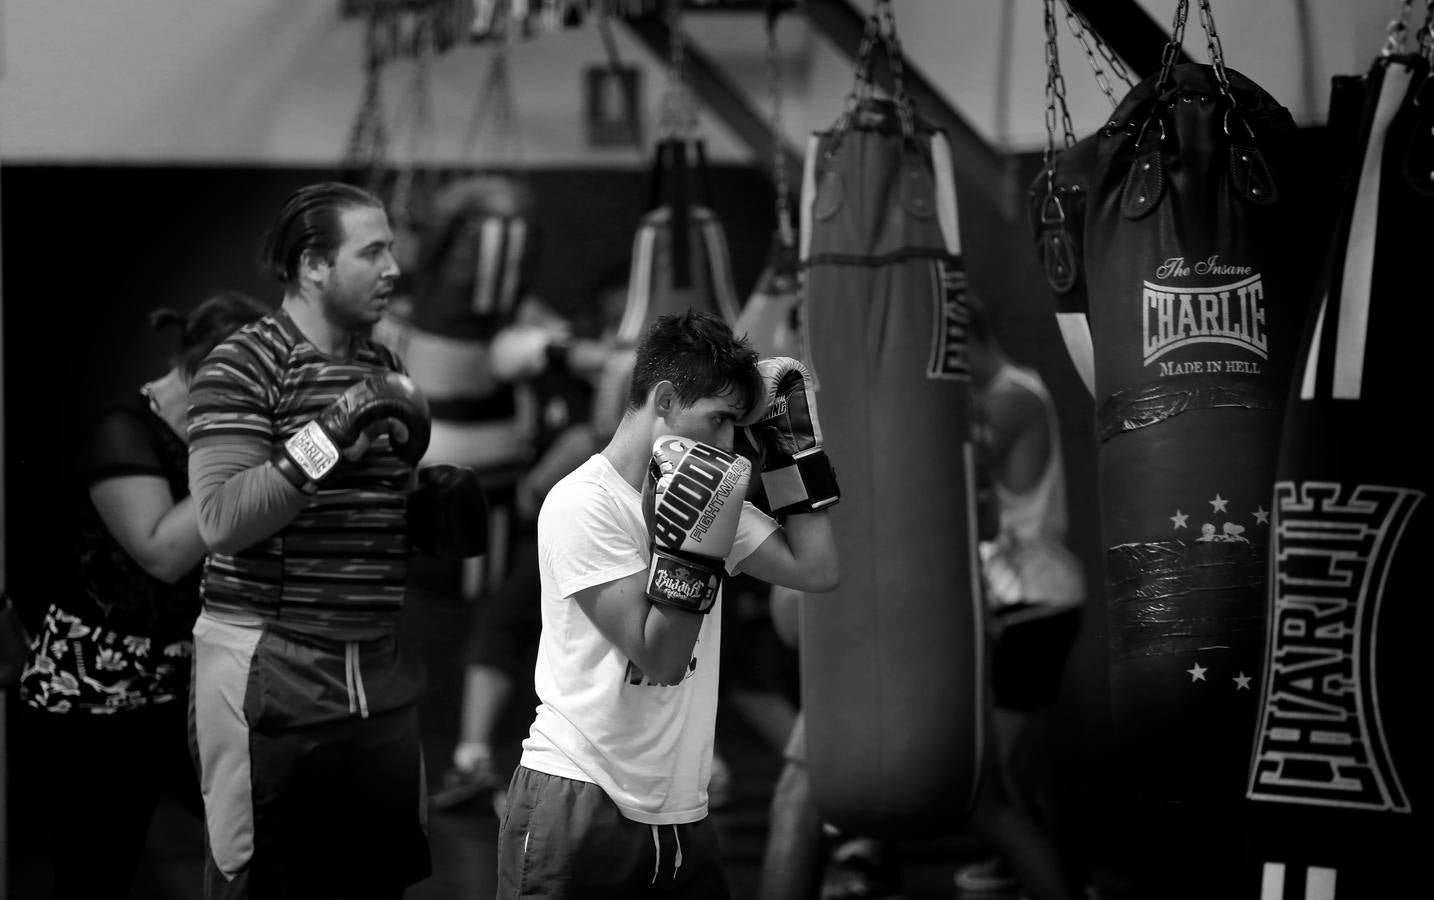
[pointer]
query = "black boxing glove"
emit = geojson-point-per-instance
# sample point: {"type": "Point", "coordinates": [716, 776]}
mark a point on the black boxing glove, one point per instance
{"type": "Point", "coordinates": [448, 513]}
{"type": "Point", "coordinates": [370, 407]}
{"type": "Point", "coordinates": [796, 473]}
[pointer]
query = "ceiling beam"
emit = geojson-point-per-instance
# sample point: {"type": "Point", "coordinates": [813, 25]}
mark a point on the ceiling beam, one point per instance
{"type": "Point", "coordinates": [981, 166]}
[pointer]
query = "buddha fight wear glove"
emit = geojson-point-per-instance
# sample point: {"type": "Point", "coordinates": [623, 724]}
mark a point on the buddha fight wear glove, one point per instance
{"type": "Point", "coordinates": [448, 513]}
{"type": "Point", "coordinates": [796, 473]}
{"type": "Point", "coordinates": [693, 503]}
{"type": "Point", "coordinates": [370, 408]}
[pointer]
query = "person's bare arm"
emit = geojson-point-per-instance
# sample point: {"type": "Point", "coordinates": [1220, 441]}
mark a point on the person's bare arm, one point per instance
{"type": "Point", "coordinates": [162, 536]}
{"type": "Point", "coordinates": [657, 639]}
{"type": "Point", "coordinates": [801, 554]}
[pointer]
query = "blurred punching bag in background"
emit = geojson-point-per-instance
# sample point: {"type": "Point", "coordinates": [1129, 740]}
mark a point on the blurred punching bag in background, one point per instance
{"type": "Point", "coordinates": [679, 262]}
{"type": "Point", "coordinates": [1337, 778]}
{"type": "Point", "coordinates": [473, 255]}
{"type": "Point", "coordinates": [891, 660]}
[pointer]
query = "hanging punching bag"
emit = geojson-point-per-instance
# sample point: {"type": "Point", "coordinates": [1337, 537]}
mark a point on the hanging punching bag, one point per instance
{"type": "Point", "coordinates": [772, 316]}
{"type": "Point", "coordinates": [1336, 780]}
{"type": "Point", "coordinates": [1197, 278]}
{"type": "Point", "coordinates": [679, 254]}
{"type": "Point", "coordinates": [679, 262]}
{"type": "Point", "coordinates": [891, 659]}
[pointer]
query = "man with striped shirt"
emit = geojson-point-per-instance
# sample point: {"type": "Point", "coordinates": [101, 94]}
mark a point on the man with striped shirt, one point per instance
{"type": "Point", "coordinates": [304, 438]}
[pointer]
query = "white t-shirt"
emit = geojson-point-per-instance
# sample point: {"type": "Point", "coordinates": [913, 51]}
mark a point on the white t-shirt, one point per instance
{"type": "Point", "coordinates": [648, 746]}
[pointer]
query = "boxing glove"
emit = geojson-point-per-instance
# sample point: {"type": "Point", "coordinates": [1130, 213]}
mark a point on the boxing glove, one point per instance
{"type": "Point", "coordinates": [367, 409]}
{"type": "Point", "coordinates": [448, 513]}
{"type": "Point", "coordinates": [783, 426]}
{"type": "Point", "coordinates": [693, 503]}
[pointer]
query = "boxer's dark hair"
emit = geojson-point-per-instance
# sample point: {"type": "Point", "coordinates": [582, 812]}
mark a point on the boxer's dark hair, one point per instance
{"type": "Point", "coordinates": [202, 329]}
{"type": "Point", "coordinates": [309, 223]}
{"type": "Point", "coordinates": [700, 355]}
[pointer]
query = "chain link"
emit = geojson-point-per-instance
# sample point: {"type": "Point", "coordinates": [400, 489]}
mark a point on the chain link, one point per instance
{"type": "Point", "coordinates": [895, 62]}
{"type": "Point", "coordinates": [861, 86]}
{"type": "Point", "coordinates": [368, 138]}
{"type": "Point", "coordinates": [1216, 51]}
{"type": "Point", "coordinates": [1055, 105]}
{"type": "Point", "coordinates": [1172, 47]}
{"type": "Point", "coordinates": [779, 148]}
{"type": "Point", "coordinates": [678, 115]}
{"type": "Point", "coordinates": [1087, 36]}
{"type": "Point", "coordinates": [420, 120]}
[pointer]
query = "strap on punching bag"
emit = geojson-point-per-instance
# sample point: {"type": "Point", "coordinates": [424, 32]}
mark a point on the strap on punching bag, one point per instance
{"type": "Point", "coordinates": [679, 183]}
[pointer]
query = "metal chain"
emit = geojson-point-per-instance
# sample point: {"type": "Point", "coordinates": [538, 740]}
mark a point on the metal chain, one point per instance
{"type": "Point", "coordinates": [1216, 51]}
{"type": "Point", "coordinates": [495, 103]}
{"type": "Point", "coordinates": [894, 61]}
{"type": "Point", "coordinates": [368, 138]}
{"type": "Point", "coordinates": [1055, 97]}
{"type": "Point", "coordinates": [678, 117]}
{"type": "Point", "coordinates": [861, 86]}
{"type": "Point", "coordinates": [1395, 32]}
{"type": "Point", "coordinates": [1172, 47]}
{"type": "Point", "coordinates": [420, 119]}
{"type": "Point", "coordinates": [779, 149]}
{"type": "Point", "coordinates": [1087, 36]}
{"type": "Point", "coordinates": [1055, 87]}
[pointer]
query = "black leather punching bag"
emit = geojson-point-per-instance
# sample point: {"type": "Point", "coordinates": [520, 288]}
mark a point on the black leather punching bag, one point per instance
{"type": "Point", "coordinates": [1337, 780]}
{"type": "Point", "coordinates": [1196, 285]}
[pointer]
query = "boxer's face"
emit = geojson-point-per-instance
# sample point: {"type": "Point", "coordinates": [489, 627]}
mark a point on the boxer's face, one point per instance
{"type": "Point", "coordinates": [711, 420]}
{"type": "Point", "coordinates": [360, 278]}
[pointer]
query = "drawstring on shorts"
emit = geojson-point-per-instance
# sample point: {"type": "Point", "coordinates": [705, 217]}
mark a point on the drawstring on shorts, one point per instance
{"type": "Point", "coordinates": [358, 700]}
{"type": "Point", "coordinates": [657, 857]}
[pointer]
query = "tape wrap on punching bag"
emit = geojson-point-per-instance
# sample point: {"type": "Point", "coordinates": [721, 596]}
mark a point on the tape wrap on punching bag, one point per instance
{"type": "Point", "coordinates": [891, 660]}
{"type": "Point", "coordinates": [1196, 285]}
{"type": "Point", "coordinates": [1338, 778]}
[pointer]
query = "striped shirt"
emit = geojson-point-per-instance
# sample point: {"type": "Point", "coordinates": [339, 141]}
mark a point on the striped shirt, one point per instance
{"type": "Point", "coordinates": [339, 569]}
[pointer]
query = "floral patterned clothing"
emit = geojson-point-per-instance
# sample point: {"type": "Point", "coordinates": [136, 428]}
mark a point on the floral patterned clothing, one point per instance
{"type": "Point", "coordinates": [117, 638]}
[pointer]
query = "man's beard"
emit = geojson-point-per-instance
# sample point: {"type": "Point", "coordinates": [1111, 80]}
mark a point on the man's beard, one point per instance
{"type": "Point", "coordinates": [342, 314]}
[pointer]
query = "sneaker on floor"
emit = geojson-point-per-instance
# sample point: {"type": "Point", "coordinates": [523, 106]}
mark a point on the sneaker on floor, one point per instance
{"type": "Point", "coordinates": [986, 876]}
{"type": "Point", "coordinates": [460, 786]}
{"type": "Point", "coordinates": [860, 869]}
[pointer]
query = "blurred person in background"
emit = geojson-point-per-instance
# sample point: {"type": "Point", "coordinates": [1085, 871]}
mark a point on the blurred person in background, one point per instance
{"type": "Point", "coordinates": [106, 684]}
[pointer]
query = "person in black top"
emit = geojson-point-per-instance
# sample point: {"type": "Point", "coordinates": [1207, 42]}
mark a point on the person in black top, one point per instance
{"type": "Point", "coordinates": [106, 682]}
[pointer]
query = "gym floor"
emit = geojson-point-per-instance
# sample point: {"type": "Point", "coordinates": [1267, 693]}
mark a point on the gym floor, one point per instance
{"type": "Point", "coordinates": [463, 840]}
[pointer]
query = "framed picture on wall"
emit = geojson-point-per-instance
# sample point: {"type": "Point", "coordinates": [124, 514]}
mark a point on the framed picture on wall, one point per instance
{"type": "Point", "coordinates": [613, 102]}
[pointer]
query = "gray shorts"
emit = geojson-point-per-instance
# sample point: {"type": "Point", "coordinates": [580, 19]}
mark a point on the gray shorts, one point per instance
{"type": "Point", "coordinates": [566, 839]}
